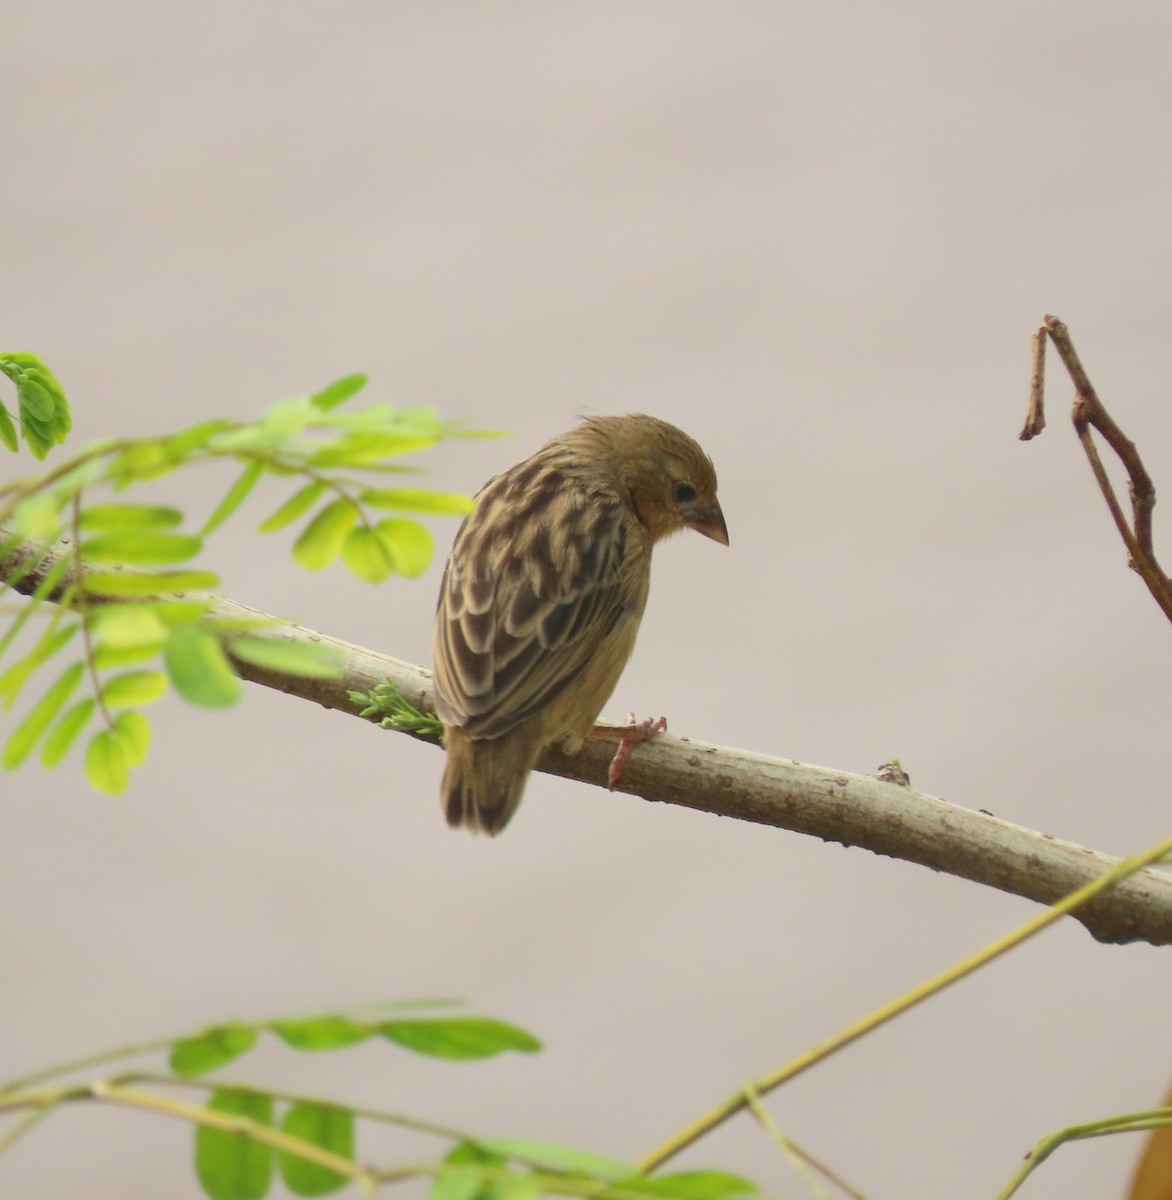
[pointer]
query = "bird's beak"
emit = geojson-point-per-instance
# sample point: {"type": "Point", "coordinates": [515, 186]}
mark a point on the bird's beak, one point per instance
{"type": "Point", "coordinates": [711, 524]}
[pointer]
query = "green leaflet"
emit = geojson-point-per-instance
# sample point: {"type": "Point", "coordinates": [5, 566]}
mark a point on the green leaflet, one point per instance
{"type": "Point", "coordinates": [691, 1185]}
{"type": "Point", "coordinates": [56, 634]}
{"type": "Point", "coordinates": [358, 449]}
{"type": "Point", "coordinates": [65, 732]}
{"type": "Point", "coordinates": [26, 735]}
{"type": "Point", "coordinates": [199, 669]}
{"type": "Point", "coordinates": [322, 539]}
{"type": "Point", "coordinates": [233, 1166]}
{"type": "Point", "coordinates": [133, 732]}
{"type": "Point", "coordinates": [366, 556]}
{"type": "Point", "coordinates": [310, 660]}
{"type": "Point", "coordinates": [148, 583]}
{"type": "Point", "coordinates": [108, 657]}
{"type": "Point", "coordinates": [211, 1049]}
{"type": "Point", "coordinates": [460, 1183]}
{"type": "Point", "coordinates": [338, 392]}
{"type": "Point", "coordinates": [126, 635]}
{"type": "Point", "coordinates": [409, 544]}
{"type": "Point", "coordinates": [43, 589]}
{"type": "Point", "coordinates": [195, 437]}
{"type": "Point", "coordinates": [465, 1180]}
{"type": "Point", "coordinates": [418, 500]}
{"type": "Point", "coordinates": [297, 505]}
{"type": "Point", "coordinates": [116, 518]}
{"type": "Point", "coordinates": [459, 1038]}
{"type": "Point", "coordinates": [37, 518]}
{"type": "Point", "coordinates": [323, 1126]}
{"type": "Point", "coordinates": [287, 418]}
{"type": "Point", "coordinates": [141, 548]}
{"type": "Point", "coordinates": [327, 1032]}
{"type": "Point", "coordinates": [129, 625]}
{"type": "Point", "coordinates": [133, 689]}
{"type": "Point", "coordinates": [107, 766]}
{"type": "Point", "coordinates": [7, 430]}
{"type": "Point", "coordinates": [564, 1160]}
{"type": "Point", "coordinates": [234, 497]}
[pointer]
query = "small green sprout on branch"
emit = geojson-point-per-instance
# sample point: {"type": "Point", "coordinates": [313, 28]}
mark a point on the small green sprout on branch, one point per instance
{"type": "Point", "coordinates": [397, 713]}
{"type": "Point", "coordinates": [119, 580]}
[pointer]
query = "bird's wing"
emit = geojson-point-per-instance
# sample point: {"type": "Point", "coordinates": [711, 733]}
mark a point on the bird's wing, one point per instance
{"type": "Point", "coordinates": [529, 595]}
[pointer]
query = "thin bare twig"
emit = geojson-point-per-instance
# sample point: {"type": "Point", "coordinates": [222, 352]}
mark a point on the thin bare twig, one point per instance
{"type": "Point", "coordinates": [1090, 413]}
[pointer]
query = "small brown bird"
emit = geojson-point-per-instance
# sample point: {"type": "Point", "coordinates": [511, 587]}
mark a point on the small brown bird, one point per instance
{"type": "Point", "coordinates": [542, 597]}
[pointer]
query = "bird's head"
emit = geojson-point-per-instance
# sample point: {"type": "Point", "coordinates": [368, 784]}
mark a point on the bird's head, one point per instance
{"type": "Point", "coordinates": [669, 480]}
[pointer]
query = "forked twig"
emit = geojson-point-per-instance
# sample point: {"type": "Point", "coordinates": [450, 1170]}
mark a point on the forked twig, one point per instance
{"type": "Point", "coordinates": [1089, 413]}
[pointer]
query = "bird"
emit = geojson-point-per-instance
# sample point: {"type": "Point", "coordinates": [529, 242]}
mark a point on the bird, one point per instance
{"type": "Point", "coordinates": [542, 596]}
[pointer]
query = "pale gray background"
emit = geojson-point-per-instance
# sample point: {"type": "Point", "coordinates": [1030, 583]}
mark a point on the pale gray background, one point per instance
{"type": "Point", "coordinates": [815, 235]}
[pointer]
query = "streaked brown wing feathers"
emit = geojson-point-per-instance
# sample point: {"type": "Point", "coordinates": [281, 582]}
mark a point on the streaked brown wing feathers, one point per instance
{"type": "Point", "coordinates": [530, 592]}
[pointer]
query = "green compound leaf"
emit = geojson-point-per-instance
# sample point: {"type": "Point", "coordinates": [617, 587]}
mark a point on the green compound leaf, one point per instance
{"type": "Point", "coordinates": [235, 496]}
{"type": "Point", "coordinates": [418, 500]}
{"type": "Point", "coordinates": [44, 411]}
{"type": "Point", "coordinates": [459, 1038]}
{"type": "Point", "coordinates": [40, 717]}
{"type": "Point", "coordinates": [322, 539]}
{"type": "Point", "coordinates": [326, 1032]}
{"type": "Point", "coordinates": [408, 543]}
{"type": "Point", "coordinates": [297, 505]}
{"type": "Point", "coordinates": [311, 660]}
{"type": "Point", "coordinates": [211, 1049]}
{"type": "Point", "coordinates": [148, 583]}
{"type": "Point", "coordinates": [117, 518]}
{"type": "Point", "coordinates": [233, 1166]}
{"type": "Point", "coordinates": [199, 669]}
{"type": "Point", "coordinates": [366, 556]}
{"type": "Point", "coordinates": [140, 548]}
{"type": "Point", "coordinates": [133, 689]}
{"type": "Point", "coordinates": [327, 1128]}
{"type": "Point", "coordinates": [65, 732]}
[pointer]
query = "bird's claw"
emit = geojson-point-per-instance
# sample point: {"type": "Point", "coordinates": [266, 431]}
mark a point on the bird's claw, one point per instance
{"type": "Point", "coordinates": [631, 735]}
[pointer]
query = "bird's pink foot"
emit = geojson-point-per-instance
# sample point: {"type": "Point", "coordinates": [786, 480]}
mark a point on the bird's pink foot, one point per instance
{"type": "Point", "coordinates": [631, 734]}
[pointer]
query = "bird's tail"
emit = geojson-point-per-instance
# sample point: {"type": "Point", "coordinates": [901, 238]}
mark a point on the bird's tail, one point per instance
{"type": "Point", "coordinates": [484, 780]}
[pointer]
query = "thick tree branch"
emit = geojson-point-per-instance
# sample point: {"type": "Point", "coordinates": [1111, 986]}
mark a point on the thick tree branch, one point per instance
{"type": "Point", "coordinates": [855, 810]}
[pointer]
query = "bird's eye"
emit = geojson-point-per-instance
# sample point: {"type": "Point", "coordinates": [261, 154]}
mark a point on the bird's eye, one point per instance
{"type": "Point", "coordinates": [685, 493]}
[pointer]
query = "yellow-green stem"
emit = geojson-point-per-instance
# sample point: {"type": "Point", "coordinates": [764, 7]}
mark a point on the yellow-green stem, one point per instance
{"type": "Point", "coordinates": [738, 1101]}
